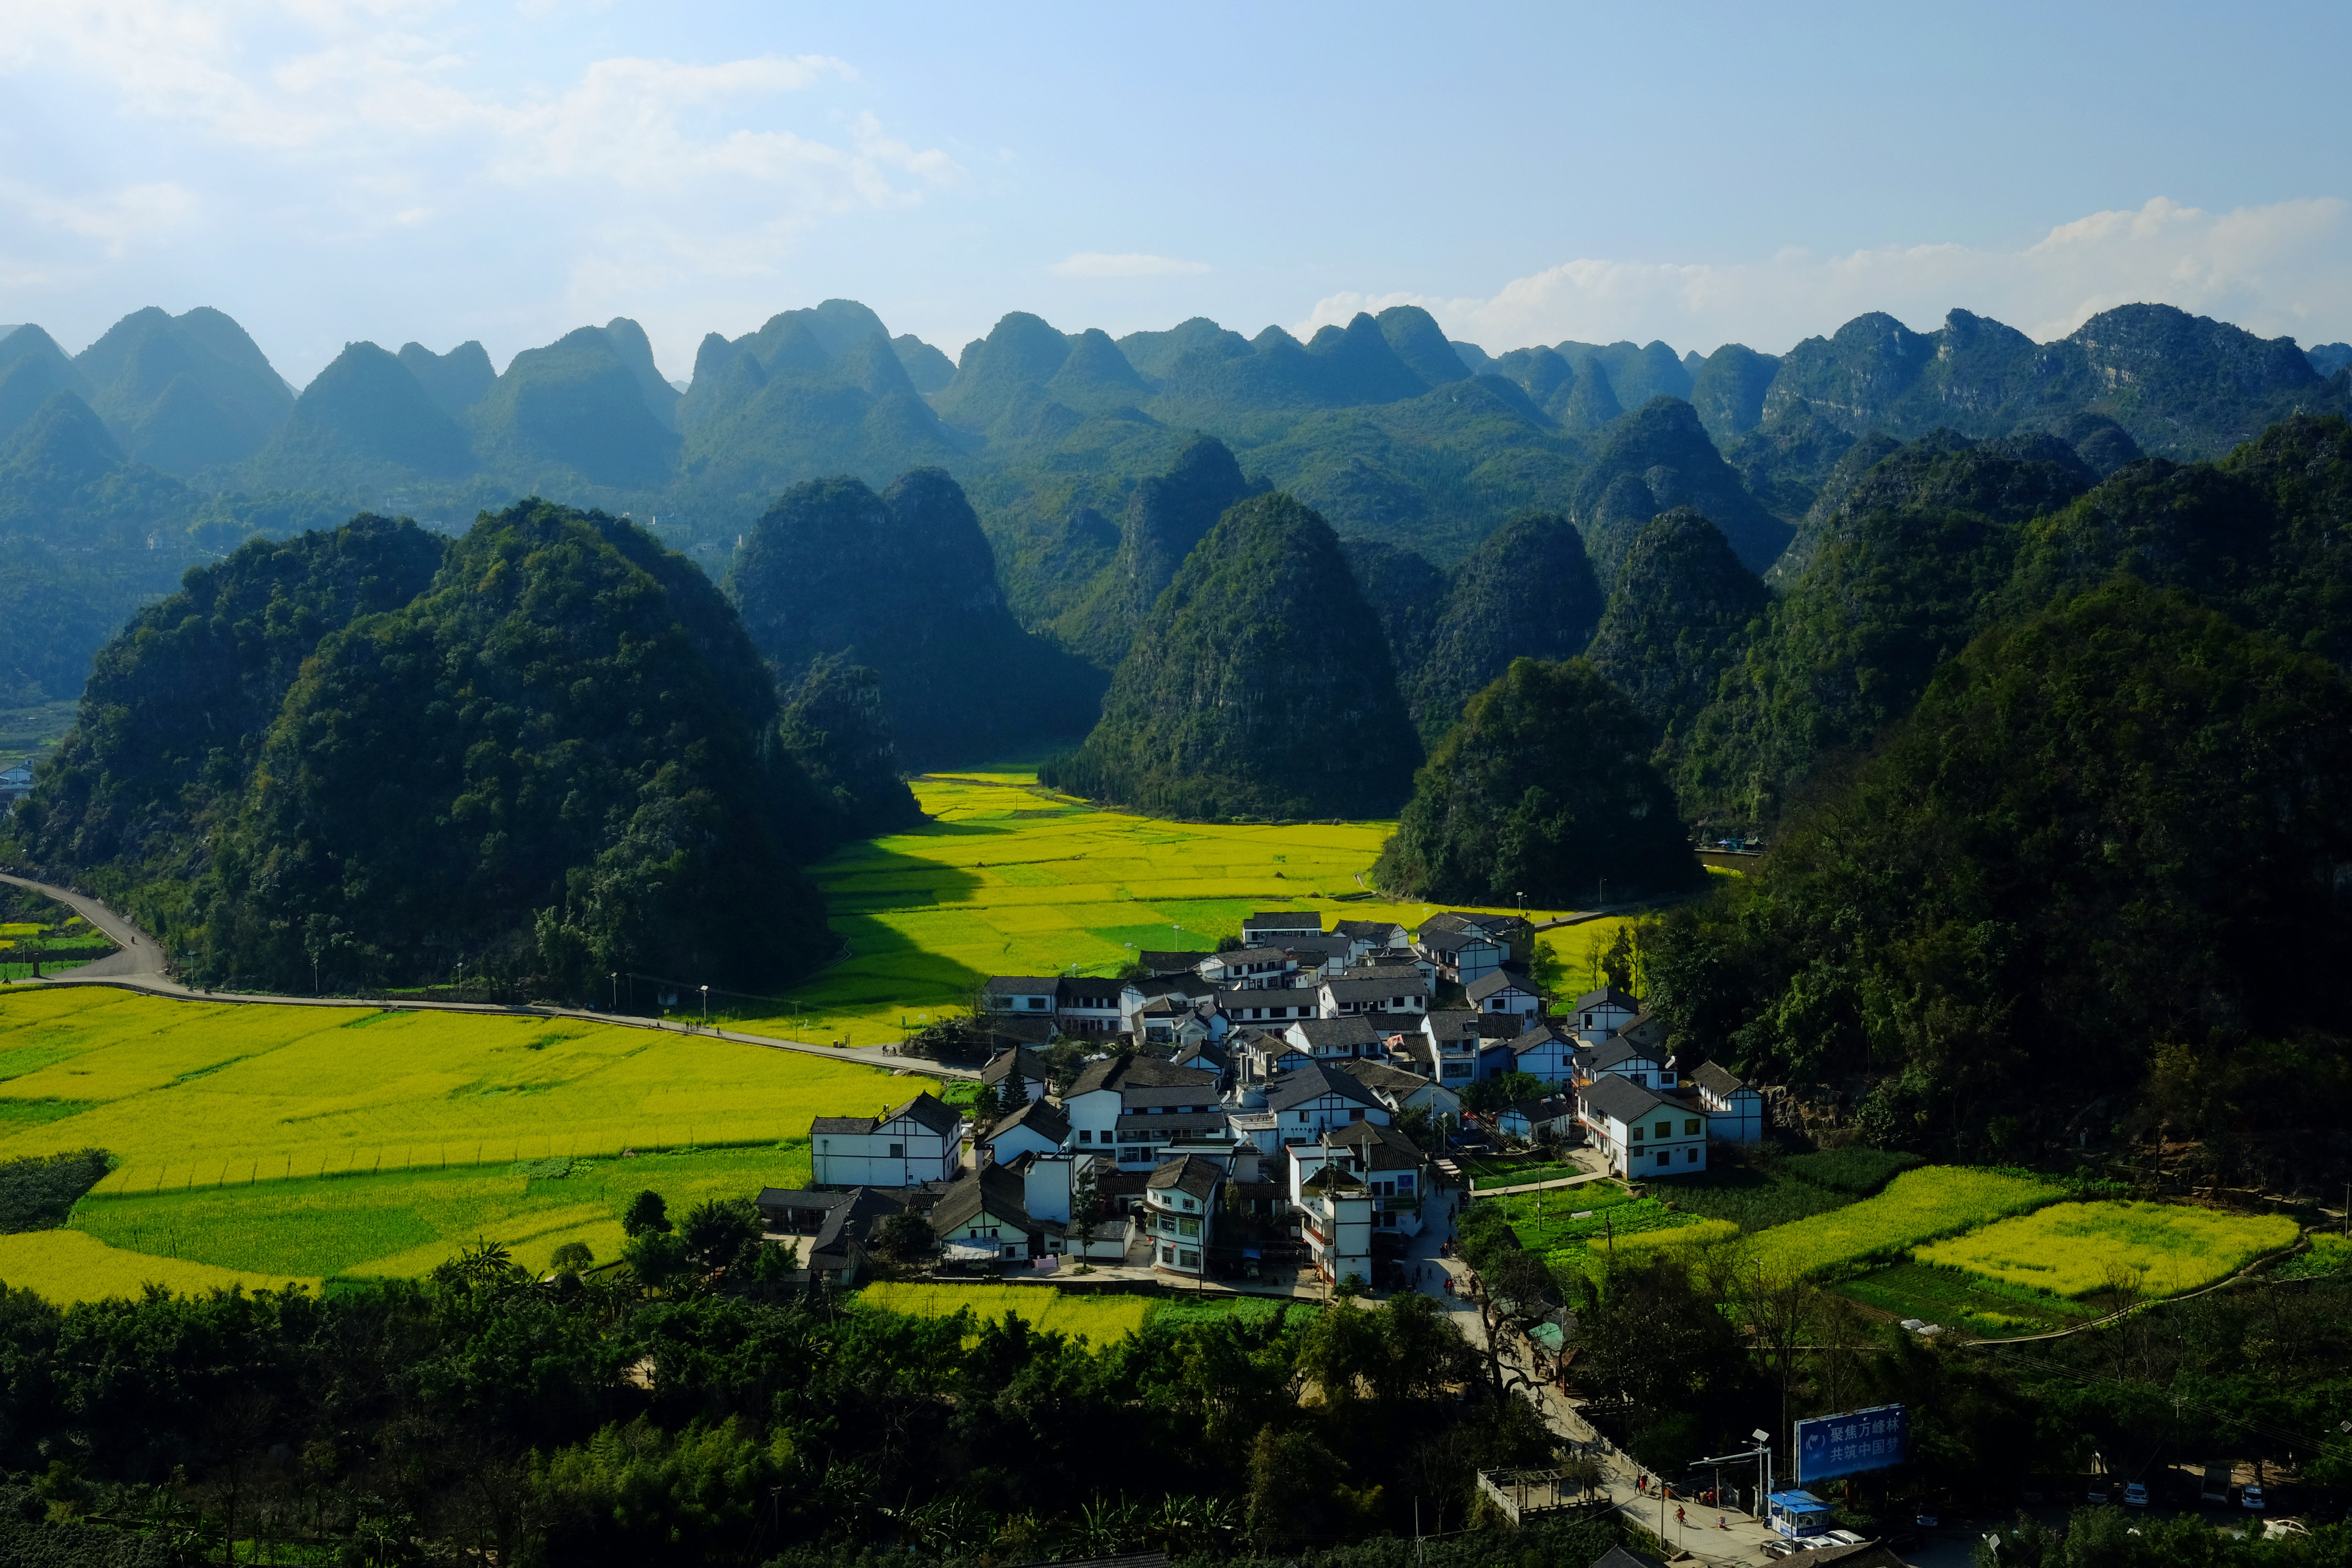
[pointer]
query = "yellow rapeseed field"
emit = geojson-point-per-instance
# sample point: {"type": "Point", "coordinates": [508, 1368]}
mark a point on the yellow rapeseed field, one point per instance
{"type": "Point", "coordinates": [1010, 878]}
{"type": "Point", "coordinates": [1101, 1318]}
{"type": "Point", "coordinates": [196, 1094]}
{"type": "Point", "coordinates": [2075, 1249]}
{"type": "Point", "coordinates": [69, 1266]}
{"type": "Point", "coordinates": [1916, 1206]}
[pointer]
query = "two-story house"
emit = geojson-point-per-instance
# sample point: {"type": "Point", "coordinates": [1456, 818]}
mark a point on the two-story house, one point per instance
{"type": "Point", "coordinates": [1132, 1108]}
{"type": "Point", "coordinates": [1460, 948]}
{"type": "Point", "coordinates": [1373, 936]}
{"type": "Point", "coordinates": [1637, 1065]}
{"type": "Point", "coordinates": [1310, 1100]}
{"type": "Point", "coordinates": [1178, 1214]}
{"type": "Point", "coordinates": [1600, 1014]}
{"type": "Point", "coordinates": [1021, 994]}
{"type": "Point", "coordinates": [1545, 1052]}
{"type": "Point", "coordinates": [1337, 1040]}
{"type": "Point", "coordinates": [1280, 928]}
{"type": "Point", "coordinates": [1552, 1113]}
{"type": "Point", "coordinates": [921, 1140]}
{"type": "Point", "coordinates": [1451, 1046]}
{"type": "Point", "coordinates": [1401, 991]}
{"type": "Point", "coordinates": [1391, 1167]}
{"type": "Point", "coordinates": [1079, 1004]}
{"type": "Point", "coordinates": [1735, 1111]}
{"type": "Point", "coordinates": [1640, 1134]}
{"type": "Point", "coordinates": [1500, 991]}
{"type": "Point", "coordinates": [1269, 1009]}
{"type": "Point", "coordinates": [1248, 968]}
{"type": "Point", "coordinates": [840, 1227]}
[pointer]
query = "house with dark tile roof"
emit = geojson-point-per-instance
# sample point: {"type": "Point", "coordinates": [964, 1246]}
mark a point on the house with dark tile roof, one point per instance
{"type": "Point", "coordinates": [1178, 1214]}
{"type": "Point", "coordinates": [921, 1140]}
{"type": "Point", "coordinates": [1735, 1111]}
{"type": "Point", "coordinates": [1641, 1133]}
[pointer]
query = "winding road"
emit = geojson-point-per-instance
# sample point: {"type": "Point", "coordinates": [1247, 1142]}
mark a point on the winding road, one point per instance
{"type": "Point", "coordinates": [139, 964]}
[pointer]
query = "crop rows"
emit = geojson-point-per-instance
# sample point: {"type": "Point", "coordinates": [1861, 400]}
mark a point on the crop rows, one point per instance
{"type": "Point", "coordinates": [69, 1266]}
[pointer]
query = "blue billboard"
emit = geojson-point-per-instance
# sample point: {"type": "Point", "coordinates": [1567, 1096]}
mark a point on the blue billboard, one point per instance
{"type": "Point", "coordinates": [1833, 1445]}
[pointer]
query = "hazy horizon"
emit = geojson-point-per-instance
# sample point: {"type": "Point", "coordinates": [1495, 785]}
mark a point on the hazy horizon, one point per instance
{"type": "Point", "coordinates": [421, 171]}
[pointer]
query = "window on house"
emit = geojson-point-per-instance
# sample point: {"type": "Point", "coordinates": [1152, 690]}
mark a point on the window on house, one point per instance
{"type": "Point", "coordinates": [1188, 1258]}
{"type": "Point", "coordinates": [1666, 1156]}
{"type": "Point", "coordinates": [1666, 1129]}
{"type": "Point", "coordinates": [897, 1150]}
{"type": "Point", "coordinates": [1690, 1156]}
{"type": "Point", "coordinates": [1166, 1255]}
{"type": "Point", "coordinates": [1038, 1003]}
{"type": "Point", "coordinates": [1637, 1134]}
{"type": "Point", "coordinates": [1085, 1137]}
{"type": "Point", "coordinates": [1690, 1127]}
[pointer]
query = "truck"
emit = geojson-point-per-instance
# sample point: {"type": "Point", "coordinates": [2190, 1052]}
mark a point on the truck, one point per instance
{"type": "Point", "coordinates": [2216, 1488]}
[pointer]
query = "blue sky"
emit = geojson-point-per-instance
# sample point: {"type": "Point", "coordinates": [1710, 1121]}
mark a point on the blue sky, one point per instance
{"type": "Point", "coordinates": [1704, 173]}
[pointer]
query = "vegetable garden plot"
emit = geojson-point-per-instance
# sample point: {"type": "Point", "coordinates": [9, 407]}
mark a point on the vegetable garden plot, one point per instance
{"type": "Point", "coordinates": [1916, 1206]}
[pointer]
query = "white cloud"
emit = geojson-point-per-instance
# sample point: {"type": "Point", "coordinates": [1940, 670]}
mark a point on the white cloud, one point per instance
{"type": "Point", "coordinates": [114, 222]}
{"type": "Point", "coordinates": [2284, 269]}
{"type": "Point", "coordinates": [1097, 264]}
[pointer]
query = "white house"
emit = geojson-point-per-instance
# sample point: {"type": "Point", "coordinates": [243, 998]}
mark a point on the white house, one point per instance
{"type": "Point", "coordinates": [1019, 1072]}
{"type": "Point", "coordinates": [1403, 992]}
{"type": "Point", "coordinates": [1451, 1043]}
{"type": "Point", "coordinates": [1038, 1127]}
{"type": "Point", "coordinates": [921, 1140]}
{"type": "Point", "coordinates": [1735, 1113]}
{"type": "Point", "coordinates": [1600, 1014]}
{"type": "Point", "coordinates": [1639, 1133]}
{"type": "Point", "coordinates": [1051, 1187]}
{"type": "Point", "coordinates": [1337, 1040]}
{"type": "Point", "coordinates": [1021, 994]}
{"type": "Point", "coordinates": [1335, 1216]}
{"type": "Point", "coordinates": [1554, 1113]}
{"type": "Point", "coordinates": [1131, 1107]}
{"type": "Point", "coordinates": [1178, 1214]}
{"type": "Point", "coordinates": [1637, 1065]}
{"type": "Point", "coordinates": [1311, 1101]}
{"type": "Point", "coordinates": [1390, 1165]}
{"type": "Point", "coordinates": [983, 1213]}
{"type": "Point", "coordinates": [1401, 1090]}
{"type": "Point", "coordinates": [1087, 1005]}
{"type": "Point", "coordinates": [1279, 928]}
{"type": "Point", "coordinates": [1247, 969]}
{"type": "Point", "coordinates": [1501, 990]}
{"type": "Point", "coordinates": [1269, 1009]}
{"type": "Point", "coordinates": [1545, 1052]}
{"type": "Point", "coordinates": [1373, 936]}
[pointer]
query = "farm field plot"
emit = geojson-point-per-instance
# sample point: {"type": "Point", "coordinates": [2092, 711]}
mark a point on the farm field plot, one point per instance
{"type": "Point", "coordinates": [190, 1095]}
{"type": "Point", "coordinates": [2075, 1249]}
{"type": "Point", "coordinates": [1945, 1296]}
{"type": "Point", "coordinates": [1488, 1173]}
{"type": "Point", "coordinates": [1104, 1320]}
{"type": "Point", "coordinates": [69, 1266]}
{"type": "Point", "coordinates": [1010, 879]}
{"type": "Point", "coordinates": [1577, 1227]}
{"type": "Point", "coordinates": [409, 1221]}
{"type": "Point", "coordinates": [1756, 1195]}
{"type": "Point", "coordinates": [1919, 1206]}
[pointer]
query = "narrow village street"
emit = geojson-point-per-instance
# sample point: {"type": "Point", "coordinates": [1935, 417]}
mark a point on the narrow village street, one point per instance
{"type": "Point", "coordinates": [1744, 1536]}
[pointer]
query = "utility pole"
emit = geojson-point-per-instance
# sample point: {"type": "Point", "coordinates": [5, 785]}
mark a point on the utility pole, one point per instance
{"type": "Point", "coordinates": [616, 991]}
{"type": "Point", "coordinates": [705, 1007]}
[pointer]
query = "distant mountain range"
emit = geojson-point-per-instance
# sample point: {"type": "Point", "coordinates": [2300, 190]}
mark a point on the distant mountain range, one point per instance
{"type": "Point", "coordinates": [171, 438]}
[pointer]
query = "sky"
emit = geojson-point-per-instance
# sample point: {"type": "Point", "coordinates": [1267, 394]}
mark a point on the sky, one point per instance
{"type": "Point", "coordinates": [408, 169]}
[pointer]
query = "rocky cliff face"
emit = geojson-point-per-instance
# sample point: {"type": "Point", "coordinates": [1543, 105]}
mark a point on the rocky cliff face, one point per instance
{"type": "Point", "coordinates": [1260, 686]}
{"type": "Point", "coordinates": [1167, 514]}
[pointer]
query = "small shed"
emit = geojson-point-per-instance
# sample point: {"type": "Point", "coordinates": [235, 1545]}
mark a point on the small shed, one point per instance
{"type": "Point", "coordinates": [1798, 1515]}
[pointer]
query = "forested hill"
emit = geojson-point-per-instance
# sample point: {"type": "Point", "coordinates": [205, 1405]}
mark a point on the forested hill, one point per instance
{"type": "Point", "coordinates": [1259, 686]}
{"type": "Point", "coordinates": [1943, 538]}
{"type": "Point", "coordinates": [546, 750]}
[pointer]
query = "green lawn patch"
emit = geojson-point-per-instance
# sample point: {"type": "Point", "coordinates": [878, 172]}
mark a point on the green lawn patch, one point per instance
{"type": "Point", "coordinates": [1957, 1300]}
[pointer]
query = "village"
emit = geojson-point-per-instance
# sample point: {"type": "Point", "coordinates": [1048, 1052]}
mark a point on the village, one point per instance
{"type": "Point", "coordinates": [1287, 1109]}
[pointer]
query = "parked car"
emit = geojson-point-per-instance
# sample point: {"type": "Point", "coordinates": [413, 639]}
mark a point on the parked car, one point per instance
{"type": "Point", "coordinates": [1929, 1518]}
{"type": "Point", "coordinates": [2135, 1495]}
{"type": "Point", "coordinates": [2250, 1498]}
{"type": "Point", "coordinates": [1775, 1549]}
{"type": "Point", "coordinates": [2096, 1492]}
{"type": "Point", "coordinates": [2284, 1527]}
{"type": "Point", "coordinates": [1844, 1538]}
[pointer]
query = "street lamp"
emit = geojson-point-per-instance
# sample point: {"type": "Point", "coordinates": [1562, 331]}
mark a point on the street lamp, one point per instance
{"type": "Point", "coordinates": [616, 991]}
{"type": "Point", "coordinates": [706, 1003]}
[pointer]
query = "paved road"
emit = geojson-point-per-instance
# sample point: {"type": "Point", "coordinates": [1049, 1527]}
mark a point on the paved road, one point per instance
{"type": "Point", "coordinates": [139, 965]}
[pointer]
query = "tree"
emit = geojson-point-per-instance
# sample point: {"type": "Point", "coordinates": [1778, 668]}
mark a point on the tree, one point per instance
{"type": "Point", "coordinates": [571, 1258]}
{"type": "Point", "coordinates": [1084, 1203]}
{"type": "Point", "coordinates": [905, 1238]}
{"type": "Point", "coordinates": [647, 1213]}
{"type": "Point", "coordinates": [717, 1232]}
{"type": "Point", "coordinates": [1504, 1089]}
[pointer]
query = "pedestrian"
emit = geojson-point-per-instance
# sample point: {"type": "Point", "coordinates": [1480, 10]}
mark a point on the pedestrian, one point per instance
{"type": "Point", "coordinates": [1678, 1517]}
{"type": "Point", "coordinates": [1719, 1524]}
